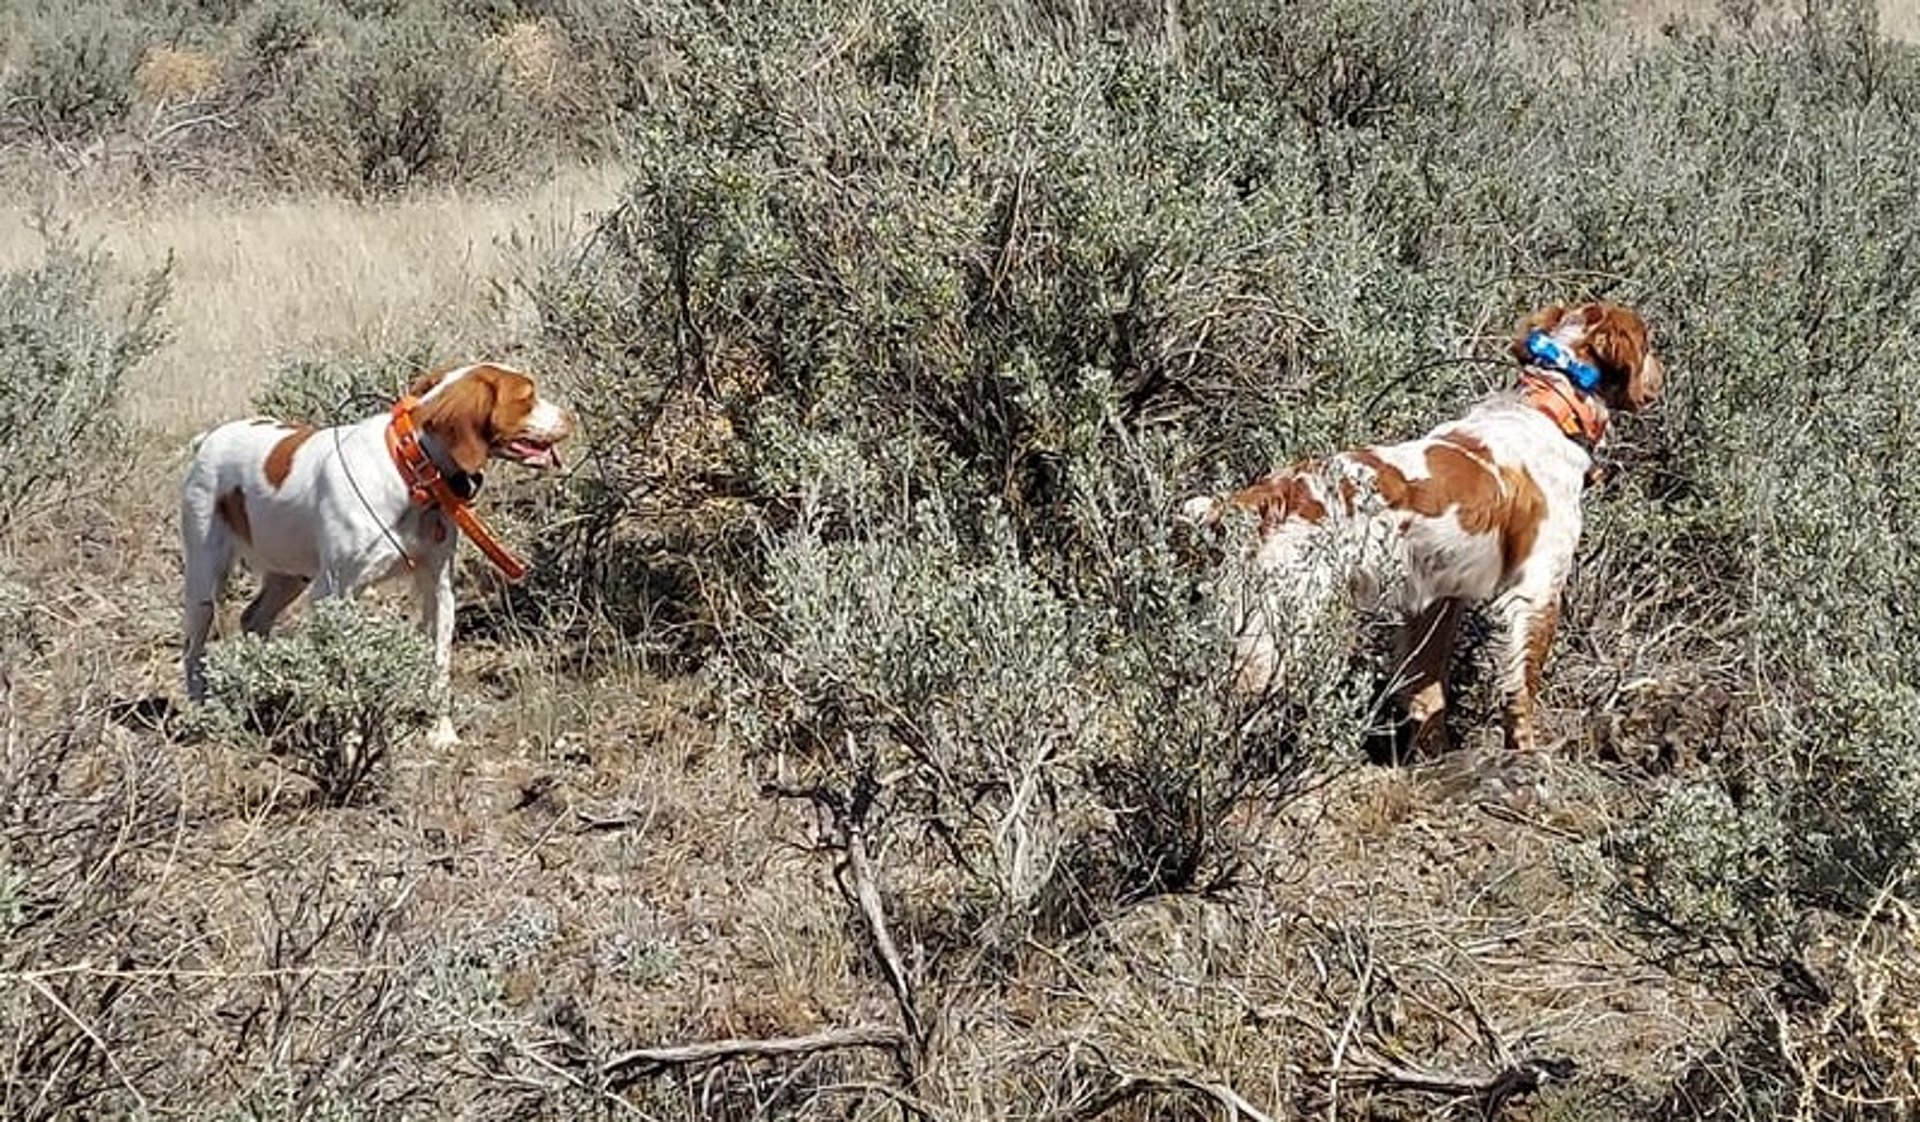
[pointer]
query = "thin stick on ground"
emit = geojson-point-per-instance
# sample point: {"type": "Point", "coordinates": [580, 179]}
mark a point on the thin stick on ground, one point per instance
{"type": "Point", "coordinates": [635, 1063]}
{"type": "Point", "coordinates": [867, 894]}
{"type": "Point", "coordinates": [106, 1053]}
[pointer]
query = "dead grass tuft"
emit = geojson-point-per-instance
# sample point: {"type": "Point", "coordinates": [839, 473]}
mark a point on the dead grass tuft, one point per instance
{"type": "Point", "coordinates": [536, 59]}
{"type": "Point", "coordinates": [176, 73]}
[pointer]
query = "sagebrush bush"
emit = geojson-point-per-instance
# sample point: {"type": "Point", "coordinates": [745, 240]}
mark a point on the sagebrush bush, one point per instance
{"type": "Point", "coordinates": [78, 821]}
{"type": "Point", "coordinates": [360, 99]}
{"type": "Point", "coordinates": [19, 622]}
{"type": "Point", "coordinates": [917, 321]}
{"type": "Point", "coordinates": [940, 286]}
{"type": "Point", "coordinates": [331, 699]}
{"type": "Point", "coordinates": [417, 99]}
{"type": "Point", "coordinates": [340, 388]}
{"type": "Point", "coordinates": [76, 82]}
{"type": "Point", "coordinates": [72, 332]}
{"type": "Point", "coordinates": [1071, 755]}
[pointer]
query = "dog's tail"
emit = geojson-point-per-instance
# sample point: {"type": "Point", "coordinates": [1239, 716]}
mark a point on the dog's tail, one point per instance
{"type": "Point", "coordinates": [199, 438]}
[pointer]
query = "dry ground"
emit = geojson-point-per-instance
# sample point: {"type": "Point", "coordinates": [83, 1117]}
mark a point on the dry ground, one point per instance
{"type": "Point", "coordinates": [1899, 19]}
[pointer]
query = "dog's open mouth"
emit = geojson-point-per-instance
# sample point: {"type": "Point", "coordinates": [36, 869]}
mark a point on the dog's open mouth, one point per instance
{"type": "Point", "coordinates": [532, 451]}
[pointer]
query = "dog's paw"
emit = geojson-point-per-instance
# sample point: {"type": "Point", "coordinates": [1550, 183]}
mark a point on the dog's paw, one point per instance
{"type": "Point", "coordinates": [442, 736]}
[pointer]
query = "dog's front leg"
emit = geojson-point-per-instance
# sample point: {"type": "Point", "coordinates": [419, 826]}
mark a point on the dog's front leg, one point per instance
{"type": "Point", "coordinates": [1530, 616]}
{"type": "Point", "coordinates": [433, 590]}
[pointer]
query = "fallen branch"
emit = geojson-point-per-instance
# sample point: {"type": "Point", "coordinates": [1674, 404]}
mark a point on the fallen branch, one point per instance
{"type": "Point", "coordinates": [1490, 1089]}
{"type": "Point", "coordinates": [632, 1065]}
{"type": "Point", "coordinates": [93, 1038]}
{"type": "Point", "coordinates": [585, 823]}
{"type": "Point", "coordinates": [867, 894]}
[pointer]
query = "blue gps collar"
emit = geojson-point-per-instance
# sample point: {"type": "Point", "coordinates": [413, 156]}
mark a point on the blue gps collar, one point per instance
{"type": "Point", "coordinates": [1552, 354]}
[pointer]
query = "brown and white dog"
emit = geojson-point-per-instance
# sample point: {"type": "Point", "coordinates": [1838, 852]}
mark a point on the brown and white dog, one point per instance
{"type": "Point", "coordinates": [338, 509]}
{"type": "Point", "coordinates": [1483, 508]}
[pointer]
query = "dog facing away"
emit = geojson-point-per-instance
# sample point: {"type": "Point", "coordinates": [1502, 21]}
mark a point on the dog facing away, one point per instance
{"type": "Point", "coordinates": [1485, 508]}
{"type": "Point", "coordinates": [337, 509]}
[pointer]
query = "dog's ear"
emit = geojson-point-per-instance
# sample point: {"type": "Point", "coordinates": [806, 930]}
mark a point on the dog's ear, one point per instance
{"type": "Point", "coordinates": [513, 400]}
{"type": "Point", "coordinates": [1546, 319]}
{"type": "Point", "coordinates": [424, 384]}
{"type": "Point", "coordinates": [1631, 377]}
{"type": "Point", "coordinates": [460, 417]}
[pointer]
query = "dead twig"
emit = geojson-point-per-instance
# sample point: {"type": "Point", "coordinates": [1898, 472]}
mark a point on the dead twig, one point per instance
{"type": "Point", "coordinates": [1490, 1089]}
{"type": "Point", "coordinates": [867, 894]}
{"type": "Point", "coordinates": [626, 1068]}
{"type": "Point", "coordinates": [106, 1051]}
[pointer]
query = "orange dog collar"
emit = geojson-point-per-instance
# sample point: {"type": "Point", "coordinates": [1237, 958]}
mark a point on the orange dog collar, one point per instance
{"type": "Point", "coordinates": [1569, 409]}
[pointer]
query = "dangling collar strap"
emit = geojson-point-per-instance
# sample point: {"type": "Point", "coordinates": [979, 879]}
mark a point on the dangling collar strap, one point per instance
{"type": "Point", "coordinates": [1571, 411]}
{"type": "Point", "coordinates": [432, 487]}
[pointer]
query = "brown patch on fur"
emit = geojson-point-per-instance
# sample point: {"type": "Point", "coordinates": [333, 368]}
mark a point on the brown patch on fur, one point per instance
{"type": "Point", "coordinates": [1484, 498]}
{"type": "Point", "coordinates": [232, 509]}
{"type": "Point", "coordinates": [1281, 496]}
{"type": "Point", "coordinates": [1468, 443]}
{"type": "Point", "coordinates": [1526, 509]}
{"type": "Point", "coordinates": [1520, 723]}
{"type": "Point", "coordinates": [1622, 348]}
{"type": "Point", "coordinates": [280, 458]}
{"type": "Point", "coordinates": [484, 408]}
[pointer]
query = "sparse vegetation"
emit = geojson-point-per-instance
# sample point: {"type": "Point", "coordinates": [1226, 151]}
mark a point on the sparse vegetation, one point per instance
{"type": "Point", "coordinates": [862, 748]}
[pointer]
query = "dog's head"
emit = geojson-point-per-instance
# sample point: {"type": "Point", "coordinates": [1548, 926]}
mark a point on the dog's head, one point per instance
{"type": "Point", "coordinates": [488, 411]}
{"type": "Point", "coordinates": [1613, 339]}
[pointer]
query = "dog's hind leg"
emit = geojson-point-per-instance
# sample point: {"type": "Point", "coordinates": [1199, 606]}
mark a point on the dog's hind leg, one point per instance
{"type": "Point", "coordinates": [1528, 614]}
{"type": "Point", "coordinates": [1424, 656]}
{"type": "Point", "coordinates": [208, 527]}
{"type": "Point", "coordinates": [277, 590]}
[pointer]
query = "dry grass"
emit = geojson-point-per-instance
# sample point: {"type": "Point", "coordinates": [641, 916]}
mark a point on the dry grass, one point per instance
{"type": "Point", "coordinates": [1899, 19]}
{"type": "Point", "coordinates": [169, 72]}
{"type": "Point", "coordinates": [256, 281]}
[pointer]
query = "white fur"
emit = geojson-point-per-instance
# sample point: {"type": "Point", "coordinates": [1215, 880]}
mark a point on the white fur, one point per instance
{"type": "Point", "coordinates": [1425, 567]}
{"type": "Point", "coordinates": [338, 522]}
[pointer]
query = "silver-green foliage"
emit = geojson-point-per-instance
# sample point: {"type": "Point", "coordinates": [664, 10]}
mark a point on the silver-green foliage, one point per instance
{"type": "Point", "coordinates": [371, 106]}
{"type": "Point", "coordinates": [75, 82]}
{"type": "Point", "coordinates": [338, 389]}
{"type": "Point", "coordinates": [70, 336]}
{"type": "Point", "coordinates": [984, 294]}
{"type": "Point", "coordinates": [331, 699]}
{"type": "Point", "coordinates": [1072, 754]}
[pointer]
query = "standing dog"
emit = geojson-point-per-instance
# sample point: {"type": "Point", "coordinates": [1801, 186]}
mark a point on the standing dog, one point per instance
{"type": "Point", "coordinates": [1483, 508]}
{"type": "Point", "coordinates": [337, 509]}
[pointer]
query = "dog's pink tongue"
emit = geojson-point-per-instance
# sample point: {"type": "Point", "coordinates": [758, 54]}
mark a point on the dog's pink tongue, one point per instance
{"type": "Point", "coordinates": [534, 454]}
